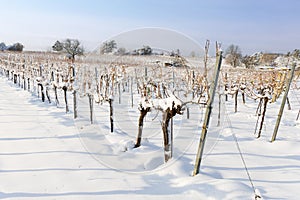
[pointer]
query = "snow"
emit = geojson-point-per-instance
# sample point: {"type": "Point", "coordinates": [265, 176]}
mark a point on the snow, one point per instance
{"type": "Point", "coordinates": [45, 154]}
{"type": "Point", "coordinates": [161, 104]}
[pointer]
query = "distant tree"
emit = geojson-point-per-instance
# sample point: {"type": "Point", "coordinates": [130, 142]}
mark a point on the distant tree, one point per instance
{"type": "Point", "coordinates": [3, 46]}
{"type": "Point", "coordinates": [233, 55]}
{"type": "Point", "coordinates": [252, 61]}
{"type": "Point", "coordinates": [193, 54]}
{"type": "Point", "coordinates": [16, 47]}
{"type": "Point", "coordinates": [71, 46]}
{"type": "Point", "coordinates": [146, 50]}
{"type": "Point", "coordinates": [296, 53]}
{"type": "Point", "coordinates": [175, 53]}
{"type": "Point", "coordinates": [247, 61]}
{"type": "Point", "coordinates": [121, 51]}
{"type": "Point", "coordinates": [58, 46]}
{"type": "Point", "coordinates": [108, 47]}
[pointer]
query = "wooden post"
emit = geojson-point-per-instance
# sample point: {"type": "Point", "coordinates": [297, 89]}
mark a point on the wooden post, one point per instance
{"type": "Point", "coordinates": [206, 57]}
{"type": "Point", "coordinates": [131, 92]}
{"type": "Point", "coordinates": [288, 103]}
{"type": "Point", "coordinates": [193, 82]}
{"type": "Point", "coordinates": [171, 137]}
{"type": "Point", "coordinates": [219, 106]}
{"type": "Point", "coordinates": [119, 91]}
{"type": "Point", "coordinates": [226, 87]}
{"type": "Point", "coordinates": [111, 116]}
{"type": "Point", "coordinates": [187, 113]}
{"type": "Point", "coordinates": [24, 82]}
{"type": "Point", "coordinates": [137, 82]}
{"type": "Point", "coordinates": [41, 72]}
{"type": "Point", "coordinates": [91, 103]}
{"type": "Point", "coordinates": [219, 113]}
{"type": "Point", "coordinates": [235, 101]}
{"type": "Point", "coordinates": [283, 102]}
{"type": "Point", "coordinates": [75, 114]}
{"type": "Point", "coordinates": [207, 114]}
{"type": "Point", "coordinates": [173, 77]}
{"type": "Point", "coordinates": [28, 84]}
{"type": "Point", "coordinates": [75, 104]}
{"type": "Point", "coordinates": [146, 74]}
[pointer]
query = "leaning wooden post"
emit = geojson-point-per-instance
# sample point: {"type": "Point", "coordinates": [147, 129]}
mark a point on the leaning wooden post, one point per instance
{"type": "Point", "coordinates": [283, 102]}
{"type": "Point", "coordinates": [207, 114]}
{"type": "Point", "coordinates": [298, 115]}
{"type": "Point", "coordinates": [75, 114]}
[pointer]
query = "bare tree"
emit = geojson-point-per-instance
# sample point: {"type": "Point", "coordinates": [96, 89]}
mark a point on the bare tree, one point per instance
{"type": "Point", "coordinates": [71, 46]}
{"type": "Point", "coordinates": [108, 47]}
{"type": "Point", "coordinates": [233, 55]}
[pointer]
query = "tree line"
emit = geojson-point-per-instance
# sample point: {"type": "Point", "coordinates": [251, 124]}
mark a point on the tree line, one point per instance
{"type": "Point", "coordinates": [14, 47]}
{"type": "Point", "coordinates": [234, 57]}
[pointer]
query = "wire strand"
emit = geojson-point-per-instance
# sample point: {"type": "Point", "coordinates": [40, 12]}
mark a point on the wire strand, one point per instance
{"type": "Point", "coordinates": [240, 152]}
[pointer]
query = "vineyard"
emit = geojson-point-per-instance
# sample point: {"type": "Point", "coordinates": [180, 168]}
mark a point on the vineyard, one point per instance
{"type": "Point", "coordinates": [144, 115]}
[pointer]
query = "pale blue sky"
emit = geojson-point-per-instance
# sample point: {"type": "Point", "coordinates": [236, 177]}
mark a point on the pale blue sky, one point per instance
{"type": "Point", "coordinates": [254, 25]}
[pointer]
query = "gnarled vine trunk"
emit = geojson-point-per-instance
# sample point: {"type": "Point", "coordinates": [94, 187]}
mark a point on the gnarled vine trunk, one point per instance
{"type": "Point", "coordinates": [167, 133]}
{"type": "Point", "coordinates": [48, 96]}
{"type": "Point", "coordinates": [66, 100]}
{"type": "Point", "coordinates": [235, 101]}
{"type": "Point", "coordinates": [42, 91]}
{"type": "Point", "coordinates": [265, 103]}
{"type": "Point", "coordinates": [143, 113]}
{"type": "Point", "coordinates": [55, 93]}
{"type": "Point", "coordinates": [111, 115]}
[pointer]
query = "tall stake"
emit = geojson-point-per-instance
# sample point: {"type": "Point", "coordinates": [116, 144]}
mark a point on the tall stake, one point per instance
{"type": "Point", "coordinates": [91, 103]}
{"type": "Point", "coordinates": [171, 137]}
{"type": "Point", "coordinates": [119, 91]}
{"type": "Point", "coordinates": [74, 94]}
{"type": "Point", "coordinates": [131, 92]}
{"type": "Point", "coordinates": [283, 102]}
{"type": "Point", "coordinates": [208, 113]}
{"type": "Point", "coordinates": [298, 115]}
{"type": "Point", "coordinates": [74, 104]}
{"type": "Point", "coordinates": [111, 115]}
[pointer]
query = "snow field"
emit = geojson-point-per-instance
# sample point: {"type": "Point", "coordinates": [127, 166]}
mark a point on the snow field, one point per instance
{"type": "Point", "coordinates": [45, 154]}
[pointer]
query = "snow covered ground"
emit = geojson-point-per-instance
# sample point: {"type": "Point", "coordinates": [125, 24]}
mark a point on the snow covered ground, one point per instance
{"type": "Point", "coordinates": [45, 154]}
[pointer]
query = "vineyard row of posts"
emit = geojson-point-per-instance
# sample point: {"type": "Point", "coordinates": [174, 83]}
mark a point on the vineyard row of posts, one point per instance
{"type": "Point", "coordinates": [161, 87]}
